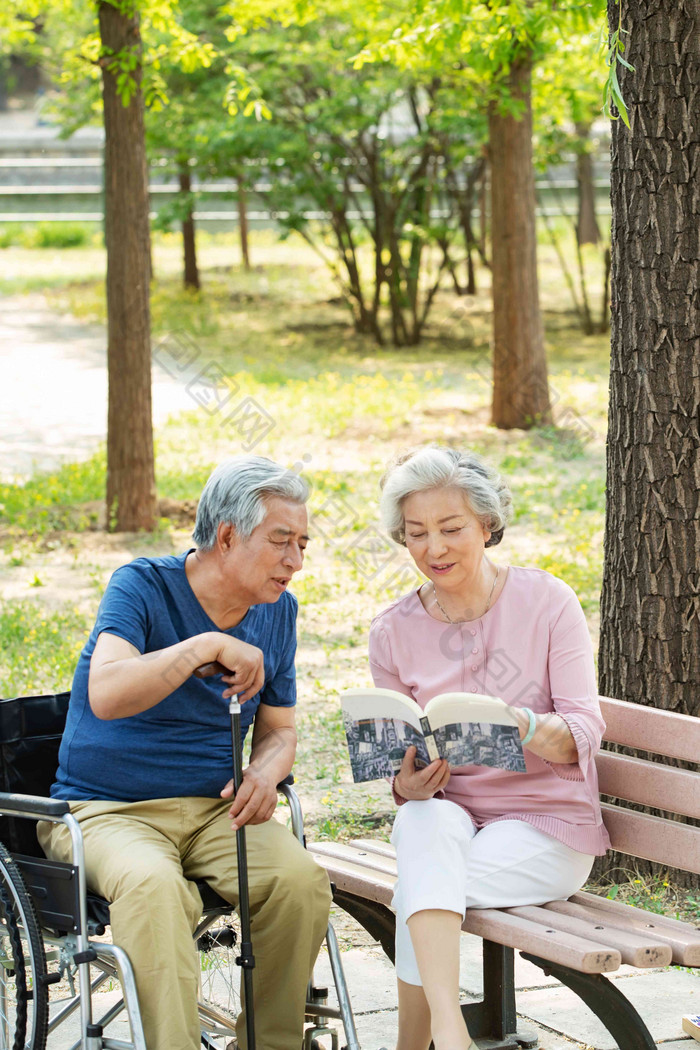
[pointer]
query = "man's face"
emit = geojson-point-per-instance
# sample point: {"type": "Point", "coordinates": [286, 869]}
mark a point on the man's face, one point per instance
{"type": "Point", "coordinates": [263, 565]}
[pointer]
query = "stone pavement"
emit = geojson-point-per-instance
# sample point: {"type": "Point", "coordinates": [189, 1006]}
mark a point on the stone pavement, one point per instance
{"type": "Point", "coordinates": [552, 1012]}
{"type": "Point", "coordinates": [545, 1007]}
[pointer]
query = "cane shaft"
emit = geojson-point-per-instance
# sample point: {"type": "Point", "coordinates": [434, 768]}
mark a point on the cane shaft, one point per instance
{"type": "Point", "coordinates": [246, 959]}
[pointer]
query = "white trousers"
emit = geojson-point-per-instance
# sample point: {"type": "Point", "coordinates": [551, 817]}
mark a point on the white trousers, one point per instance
{"type": "Point", "coordinates": [444, 863]}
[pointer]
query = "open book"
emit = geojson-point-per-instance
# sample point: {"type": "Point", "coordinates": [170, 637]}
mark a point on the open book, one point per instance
{"type": "Point", "coordinates": [465, 728]}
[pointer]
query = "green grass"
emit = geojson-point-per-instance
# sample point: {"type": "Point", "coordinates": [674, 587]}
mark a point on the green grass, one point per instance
{"type": "Point", "coordinates": [51, 501]}
{"type": "Point", "coordinates": [50, 235]}
{"type": "Point", "coordinates": [39, 647]}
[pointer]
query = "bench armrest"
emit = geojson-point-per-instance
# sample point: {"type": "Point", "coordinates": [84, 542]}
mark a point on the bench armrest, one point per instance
{"type": "Point", "coordinates": [33, 805]}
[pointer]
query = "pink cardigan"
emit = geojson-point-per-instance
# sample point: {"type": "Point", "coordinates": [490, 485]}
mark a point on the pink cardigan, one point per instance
{"type": "Point", "coordinates": [531, 648]}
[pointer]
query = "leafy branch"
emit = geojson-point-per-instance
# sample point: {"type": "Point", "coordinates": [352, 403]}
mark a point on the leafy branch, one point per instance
{"type": "Point", "coordinates": [612, 93]}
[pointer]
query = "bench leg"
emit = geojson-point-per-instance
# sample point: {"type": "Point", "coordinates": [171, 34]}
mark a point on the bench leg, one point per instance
{"type": "Point", "coordinates": [606, 1001]}
{"type": "Point", "coordinates": [494, 1019]}
{"type": "Point", "coordinates": [377, 919]}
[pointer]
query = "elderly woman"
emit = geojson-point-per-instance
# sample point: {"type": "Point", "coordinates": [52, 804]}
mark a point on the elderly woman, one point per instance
{"type": "Point", "coordinates": [146, 755]}
{"type": "Point", "coordinates": [478, 837]}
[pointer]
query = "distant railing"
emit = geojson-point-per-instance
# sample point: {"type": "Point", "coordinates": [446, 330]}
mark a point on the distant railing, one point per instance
{"type": "Point", "coordinates": [25, 194]}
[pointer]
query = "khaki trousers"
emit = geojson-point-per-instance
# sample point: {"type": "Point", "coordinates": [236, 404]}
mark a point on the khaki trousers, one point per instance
{"type": "Point", "coordinates": [140, 856]}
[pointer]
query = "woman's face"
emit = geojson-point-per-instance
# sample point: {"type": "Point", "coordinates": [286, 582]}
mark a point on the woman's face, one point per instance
{"type": "Point", "coordinates": [444, 537]}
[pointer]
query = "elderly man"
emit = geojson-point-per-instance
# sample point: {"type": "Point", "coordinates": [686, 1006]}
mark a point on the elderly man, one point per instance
{"type": "Point", "coordinates": [145, 759]}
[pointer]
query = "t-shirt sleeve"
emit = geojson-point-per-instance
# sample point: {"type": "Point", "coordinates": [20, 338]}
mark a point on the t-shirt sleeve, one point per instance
{"type": "Point", "coordinates": [382, 667]}
{"type": "Point", "coordinates": [124, 609]}
{"type": "Point", "coordinates": [281, 689]}
{"type": "Point", "coordinates": [573, 686]}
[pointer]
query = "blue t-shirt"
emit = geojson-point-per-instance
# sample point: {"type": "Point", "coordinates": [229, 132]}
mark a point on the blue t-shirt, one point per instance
{"type": "Point", "coordinates": [182, 746]}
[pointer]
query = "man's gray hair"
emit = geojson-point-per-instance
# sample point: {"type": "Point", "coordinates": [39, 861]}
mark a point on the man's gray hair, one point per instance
{"type": "Point", "coordinates": [437, 466]}
{"type": "Point", "coordinates": [236, 494]}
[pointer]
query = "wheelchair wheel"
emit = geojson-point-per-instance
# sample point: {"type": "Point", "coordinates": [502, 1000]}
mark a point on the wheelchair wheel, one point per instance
{"type": "Point", "coordinates": [24, 1004]}
{"type": "Point", "coordinates": [219, 981]}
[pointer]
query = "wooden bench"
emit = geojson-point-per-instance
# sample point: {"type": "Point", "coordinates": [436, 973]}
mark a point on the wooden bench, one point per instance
{"type": "Point", "coordinates": [579, 940]}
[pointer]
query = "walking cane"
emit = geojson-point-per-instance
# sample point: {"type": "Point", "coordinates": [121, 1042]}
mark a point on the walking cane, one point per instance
{"type": "Point", "coordinates": [246, 960]}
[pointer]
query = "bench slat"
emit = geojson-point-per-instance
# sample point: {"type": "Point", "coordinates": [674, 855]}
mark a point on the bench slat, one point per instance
{"type": "Point", "coordinates": [665, 841]}
{"type": "Point", "coordinates": [683, 939]}
{"type": "Point", "coordinates": [345, 851]}
{"type": "Point", "coordinates": [650, 729]}
{"type": "Point", "coordinates": [355, 878]}
{"type": "Point", "coordinates": [584, 955]}
{"type": "Point", "coordinates": [636, 950]}
{"type": "Point", "coordinates": [649, 783]}
{"type": "Point", "coordinates": [684, 943]}
{"type": "Point", "coordinates": [384, 849]}
{"type": "Point", "coordinates": [377, 884]}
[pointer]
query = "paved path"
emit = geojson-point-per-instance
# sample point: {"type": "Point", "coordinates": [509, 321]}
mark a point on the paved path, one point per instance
{"type": "Point", "coordinates": [53, 388]}
{"type": "Point", "coordinates": [552, 1013]}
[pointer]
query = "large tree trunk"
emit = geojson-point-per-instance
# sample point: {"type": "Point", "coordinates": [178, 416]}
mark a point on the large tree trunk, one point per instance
{"type": "Point", "coordinates": [189, 240]}
{"type": "Point", "coordinates": [131, 491]}
{"type": "Point", "coordinates": [650, 604]}
{"type": "Point", "coordinates": [520, 389]}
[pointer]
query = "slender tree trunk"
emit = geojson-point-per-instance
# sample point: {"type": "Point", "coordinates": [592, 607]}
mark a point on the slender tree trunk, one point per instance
{"type": "Point", "coordinates": [131, 490]}
{"type": "Point", "coordinates": [520, 389]}
{"type": "Point", "coordinates": [189, 242]}
{"type": "Point", "coordinates": [650, 603]}
{"type": "Point", "coordinates": [243, 222]}
{"type": "Point", "coordinates": [483, 208]}
{"type": "Point", "coordinates": [587, 231]}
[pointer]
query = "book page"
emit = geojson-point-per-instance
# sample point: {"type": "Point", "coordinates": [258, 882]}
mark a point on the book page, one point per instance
{"type": "Point", "coordinates": [447, 708]}
{"type": "Point", "coordinates": [380, 725]}
{"type": "Point", "coordinates": [474, 730]}
{"type": "Point", "coordinates": [481, 744]}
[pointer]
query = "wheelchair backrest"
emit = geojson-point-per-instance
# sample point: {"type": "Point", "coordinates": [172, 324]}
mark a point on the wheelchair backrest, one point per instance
{"type": "Point", "coordinates": [31, 728]}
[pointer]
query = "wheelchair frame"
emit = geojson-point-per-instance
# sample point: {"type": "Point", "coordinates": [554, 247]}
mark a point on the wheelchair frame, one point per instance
{"type": "Point", "coordinates": [53, 894]}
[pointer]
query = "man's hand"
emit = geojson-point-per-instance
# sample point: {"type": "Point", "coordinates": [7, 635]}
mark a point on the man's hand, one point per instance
{"type": "Point", "coordinates": [412, 783]}
{"type": "Point", "coordinates": [271, 759]}
{"type": "Point", "coordinates": [245, 668]}
{"type": "Point", "coordinates": [256, 799]}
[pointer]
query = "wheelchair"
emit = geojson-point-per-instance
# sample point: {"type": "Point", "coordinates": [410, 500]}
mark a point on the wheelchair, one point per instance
{"type": "Point", "coordinates": [54, 955]}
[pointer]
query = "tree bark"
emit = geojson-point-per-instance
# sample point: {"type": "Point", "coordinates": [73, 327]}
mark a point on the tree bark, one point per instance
{"type": "Point", "coordinates": [131, 491]}
{"type": "Point", "coordinates": [587, 231]}
{"type": "Point", "coordinates": [650, 602]}
{"type": "Point", "coordinates": [189, 241]}
{"type": "Point", "coordinates": [520, 389]}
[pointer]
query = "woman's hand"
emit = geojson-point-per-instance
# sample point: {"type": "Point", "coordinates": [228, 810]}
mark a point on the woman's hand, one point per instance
{"type": "Point", "coordinates": [412, 783]}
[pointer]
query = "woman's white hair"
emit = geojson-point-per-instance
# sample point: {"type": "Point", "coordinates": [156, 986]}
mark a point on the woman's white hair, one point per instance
{"type": "Point", "coordinates": [236, 494]}
{"type": "Point", "coordinates": [437, 466]}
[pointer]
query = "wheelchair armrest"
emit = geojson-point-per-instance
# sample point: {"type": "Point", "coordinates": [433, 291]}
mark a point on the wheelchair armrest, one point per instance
{"type": "Point", "coordinates": [287, 782]}
{"type": "Point", "coordinates": [32, 805]}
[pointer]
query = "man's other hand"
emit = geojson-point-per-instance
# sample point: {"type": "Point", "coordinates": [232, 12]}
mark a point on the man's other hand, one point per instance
{"type": "Point", "coordinates": [256, 800]}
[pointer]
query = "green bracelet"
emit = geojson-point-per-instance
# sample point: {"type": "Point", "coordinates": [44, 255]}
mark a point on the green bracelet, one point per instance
{"type": "Point", "coordinates": [532, 726]}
